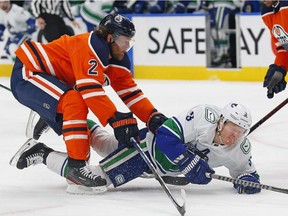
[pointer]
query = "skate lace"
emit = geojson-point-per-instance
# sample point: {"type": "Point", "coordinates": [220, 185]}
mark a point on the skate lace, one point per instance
{"type": "Point", "coordinates": [34, 159]}
{"type": "Point", "coordinates": [85, 171]}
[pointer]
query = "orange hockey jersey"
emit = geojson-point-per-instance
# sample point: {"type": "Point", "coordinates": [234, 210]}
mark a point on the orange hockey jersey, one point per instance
{"type": "Point", "coordinates": [83, 62]}
{"type": "Point", "coordinates": [276, 19]}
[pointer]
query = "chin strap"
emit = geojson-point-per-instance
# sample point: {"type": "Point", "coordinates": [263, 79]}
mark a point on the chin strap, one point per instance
{"type": "Point", "coordinates": [220, 137]}
{"type": "Point", "coordinates": [219, 129]}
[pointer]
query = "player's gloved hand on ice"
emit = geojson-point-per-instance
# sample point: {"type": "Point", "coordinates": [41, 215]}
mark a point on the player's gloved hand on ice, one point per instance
{"type": "Point", "coordinates": [156, 119]}
{"type": "Point", "coordinates": [252, 177]}
{"type": "Point", "coordinates": [195, 168]}
{"type": "Point", "coordinates": [275, 80]}
{"type": "Point", "coordinates": [125, 127]}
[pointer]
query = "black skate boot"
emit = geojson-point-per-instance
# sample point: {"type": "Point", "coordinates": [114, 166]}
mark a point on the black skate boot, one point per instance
{"type": "Point", "coordinates": [81, 179]}
{"type": "Point", "coordinates": [31, 153]}
{"type": "Point", "coordinates": [40, 128]}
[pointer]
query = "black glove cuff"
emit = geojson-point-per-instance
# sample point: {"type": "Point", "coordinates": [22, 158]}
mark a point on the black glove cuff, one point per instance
{"type": "Point", "coordinates": [278, 68]}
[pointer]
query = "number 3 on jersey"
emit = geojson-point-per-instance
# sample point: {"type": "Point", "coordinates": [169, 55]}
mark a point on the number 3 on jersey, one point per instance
{"type": "Point", "coordinates": [91, 70]}
{"type": "Point", "coordinates": [190, 116]}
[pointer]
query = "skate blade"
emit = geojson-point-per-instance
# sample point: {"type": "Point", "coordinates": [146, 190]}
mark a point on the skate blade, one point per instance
{"type": "Point", "coordinates": [27, 145]}
{"type": "Point", "coordinates": [82, 190]}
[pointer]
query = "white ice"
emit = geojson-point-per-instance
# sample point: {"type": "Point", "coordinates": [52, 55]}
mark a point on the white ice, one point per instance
{"type": "Point", "coordinates": [37, 191]}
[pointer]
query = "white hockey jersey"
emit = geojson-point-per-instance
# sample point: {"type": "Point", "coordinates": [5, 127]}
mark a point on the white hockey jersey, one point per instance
{"type": "Point", "coordinates": [197, 127]}
{"type": "Point", "coordinates": [15, 19]}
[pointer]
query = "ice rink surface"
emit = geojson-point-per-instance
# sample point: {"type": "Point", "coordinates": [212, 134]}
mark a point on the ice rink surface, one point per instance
{"type": "Point", "coordinates": [37, 191]}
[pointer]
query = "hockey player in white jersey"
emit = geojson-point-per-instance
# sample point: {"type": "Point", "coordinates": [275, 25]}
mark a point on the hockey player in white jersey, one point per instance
{"type": "Point", "coordinates": [92, 11]}
{"type": "Point", "coordinates": [16, 26]}
{"type": "Point", "coordinates": [190, 144]}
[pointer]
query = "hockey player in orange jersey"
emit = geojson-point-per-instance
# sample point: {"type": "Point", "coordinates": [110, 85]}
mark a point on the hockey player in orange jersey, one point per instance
{"type": "Point", "coordinates": [274, 15]}
{"type": "Point", "coordinates": [62, 79]}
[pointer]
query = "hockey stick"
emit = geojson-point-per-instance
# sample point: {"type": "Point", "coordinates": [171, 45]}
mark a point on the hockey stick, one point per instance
{"type": "Point", "coordinates": [184, 181]}
{"type": "Point", "coordinates": [247, 183]}
{"type": "Point", "coordinates": [180, 208]}
{"type": "Point", "coordinates": [266, 117]}
{"type": "Point", "coordinates": [5, 87]}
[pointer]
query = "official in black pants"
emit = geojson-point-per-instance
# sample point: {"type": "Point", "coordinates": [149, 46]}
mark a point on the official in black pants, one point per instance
{"type": "Point", "coordinates": [48, 15]}
{"type": "Point", "coordinates": [55, 27]}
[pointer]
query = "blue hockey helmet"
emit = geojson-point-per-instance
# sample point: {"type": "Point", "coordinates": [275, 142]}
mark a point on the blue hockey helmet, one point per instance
{"type": "Point", "coordinates": [118, 24]}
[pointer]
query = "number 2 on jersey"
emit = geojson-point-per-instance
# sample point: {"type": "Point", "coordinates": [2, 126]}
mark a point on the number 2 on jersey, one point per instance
{"type": "Point", "coordinates": [91, 70]}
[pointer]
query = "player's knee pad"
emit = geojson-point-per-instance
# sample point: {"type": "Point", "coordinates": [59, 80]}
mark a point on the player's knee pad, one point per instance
{"type": "Point", "coordinates": [124, 165]}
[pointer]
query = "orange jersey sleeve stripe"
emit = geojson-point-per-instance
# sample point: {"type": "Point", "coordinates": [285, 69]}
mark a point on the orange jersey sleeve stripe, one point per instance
{"type": "Point", "coordinates": [96, 99]}
{"type": "Point", "coordinates": [37, 55]}
{"type": "Point", "coordinates": [142, 109]}
{"type": "Point", "coordinates": [90, 88]}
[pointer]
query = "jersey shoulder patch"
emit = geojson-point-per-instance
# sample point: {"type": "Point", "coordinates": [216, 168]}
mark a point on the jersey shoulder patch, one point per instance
{"type": "Point", "coordinates": [210, 115]}
{"type": "Point", "coordinates": [245, 146]}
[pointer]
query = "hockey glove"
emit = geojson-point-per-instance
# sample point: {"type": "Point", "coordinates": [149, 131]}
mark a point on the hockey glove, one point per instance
{"type": "Point", "coordinates": [125, 127]}
{"type": "Point", "coordinates": [275, 80]}
{"type": "Point", "coordinates": [195, 168]}
{"type": "Point", "coordinates": [252, 177]}
{"type": "Point", "coordinates": [156, 119]}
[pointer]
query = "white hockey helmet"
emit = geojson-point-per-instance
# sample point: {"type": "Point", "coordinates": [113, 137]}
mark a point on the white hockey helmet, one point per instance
{"type": "Point", "coordinates": [238, 114]}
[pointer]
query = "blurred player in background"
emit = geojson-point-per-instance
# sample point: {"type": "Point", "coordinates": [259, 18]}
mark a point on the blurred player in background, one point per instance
{"type": "Point", "coordinates": [16, 26]}
{"type": "Point", "coordinates": [219, 12]}
{"type": "Point", "coordinates": [92, 11]}
{"type": "Point", "coordinates": [274, 15]}
{"type": "Point", "coordinates": [190, 143]}
{"type": "Point", "coordinates": [140, 6]}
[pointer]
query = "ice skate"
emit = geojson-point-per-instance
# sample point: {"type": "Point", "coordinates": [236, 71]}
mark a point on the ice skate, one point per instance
{"type": "Point", "coordinates": [30, 153]}
{"type": "Point", "coordinates": [83, 181]}
{"type": "Point", "coordinates": [35, 128]}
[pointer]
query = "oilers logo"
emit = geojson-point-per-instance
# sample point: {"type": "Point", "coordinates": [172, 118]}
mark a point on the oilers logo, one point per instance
{"type": "Point", "coordinates": [118, 18]}
{"type": "Point", "coordinates": [280, 34]}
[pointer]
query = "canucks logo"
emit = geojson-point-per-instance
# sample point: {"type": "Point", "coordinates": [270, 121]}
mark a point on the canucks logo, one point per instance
{"type": "Point", "coordinates": [245, 146]}
{"type": "Point", "coordinates": [281, 35]}
{"type": "Point", "coordinates": [210, 116]}
{"type": "Point", "coordinates": [120, 179]}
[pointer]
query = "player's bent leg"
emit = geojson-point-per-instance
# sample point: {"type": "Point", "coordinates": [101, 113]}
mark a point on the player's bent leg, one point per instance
{"type": "Point", "coordinates": [76, 136]}
{"type": "Point", "coordinates": [40, 92]}
{"type": "Point", "coordinates": [102, 141]}
{"type": "Point", "coordinates": [30, 153]}
{"type": "Point", "coordinates": [75, 130]}
{"type": "Point", "coordinates": [58, 163]}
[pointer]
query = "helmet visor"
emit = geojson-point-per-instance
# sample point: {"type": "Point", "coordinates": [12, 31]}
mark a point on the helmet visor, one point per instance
{"type": "Point", "coordinates": [124, 42]}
